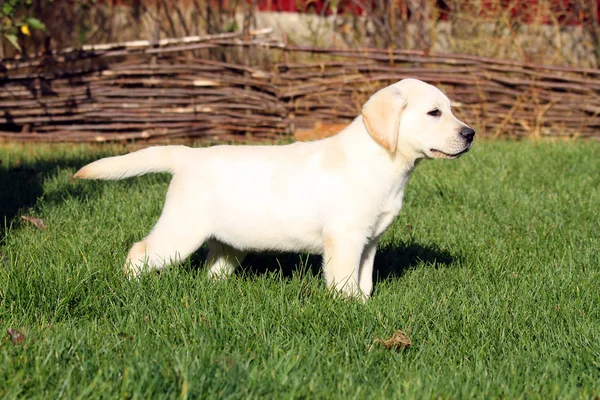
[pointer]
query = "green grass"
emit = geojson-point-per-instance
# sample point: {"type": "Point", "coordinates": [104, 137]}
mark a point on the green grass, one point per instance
{"type": "Point", "coordinates": [492, 268]}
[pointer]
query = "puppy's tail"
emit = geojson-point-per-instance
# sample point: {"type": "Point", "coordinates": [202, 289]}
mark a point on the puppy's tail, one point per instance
{"type": "Point", "coordinates": [152, 159]}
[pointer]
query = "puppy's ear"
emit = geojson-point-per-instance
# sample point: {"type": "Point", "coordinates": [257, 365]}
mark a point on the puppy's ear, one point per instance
{"type": "Point", "coordinates": [381, 114]}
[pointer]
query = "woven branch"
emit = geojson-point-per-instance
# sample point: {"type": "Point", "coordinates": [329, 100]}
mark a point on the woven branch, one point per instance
{"type": "Point", "coordinates": [218, 87]}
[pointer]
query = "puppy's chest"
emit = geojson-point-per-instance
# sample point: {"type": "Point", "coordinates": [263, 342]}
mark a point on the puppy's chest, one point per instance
{"type": "Point", "coordinates": [389, 209]}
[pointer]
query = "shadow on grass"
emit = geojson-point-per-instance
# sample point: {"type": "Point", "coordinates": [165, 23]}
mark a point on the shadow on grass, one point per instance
{"type": "Point", "coordinates": [390, 262]}
{"type": "Point", "coordinates": [21, 184]}
{"type": "Point", "coordinates": [393, 262]}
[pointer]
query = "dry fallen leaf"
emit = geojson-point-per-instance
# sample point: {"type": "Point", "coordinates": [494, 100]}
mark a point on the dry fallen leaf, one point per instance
{"type": "Point", "coordinates": [123, 336]}
{"type": "Point", "coordinates": [16, 337]}
{"type": "Point", "coordinates": [228, 361]}
{"type": "Point", "coordinates": [399, 341]}
{"type": "Point", "coordinates": [37, 222]}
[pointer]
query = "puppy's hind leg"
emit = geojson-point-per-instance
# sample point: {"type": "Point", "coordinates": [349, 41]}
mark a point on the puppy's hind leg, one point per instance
{"type": "Point", "coordinates": [176, 235]}
{"type": "Point", "coordinates": [164, 246]}
{"type": "Point", "coordinates": [222, 259]}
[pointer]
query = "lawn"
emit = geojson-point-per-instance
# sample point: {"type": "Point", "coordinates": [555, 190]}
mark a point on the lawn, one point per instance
{"type": "Point", "coordinates": [492, 269]}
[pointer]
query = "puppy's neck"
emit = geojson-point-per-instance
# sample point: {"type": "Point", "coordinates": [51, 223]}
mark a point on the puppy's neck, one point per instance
{"type": "Point", "coordinates": [358, 144]}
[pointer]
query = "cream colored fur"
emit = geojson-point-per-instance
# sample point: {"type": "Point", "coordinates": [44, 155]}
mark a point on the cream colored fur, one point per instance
{"type": "Point", "coordinates": [333, 197]}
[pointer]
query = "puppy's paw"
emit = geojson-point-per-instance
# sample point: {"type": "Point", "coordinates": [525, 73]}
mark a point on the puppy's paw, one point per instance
{"type": "Point", "coordinates": [131, 271]}
{"type": "Point", "coordinates": [219, 272]}
{"type": "Point", "coordinates": [136, 262]}
{"type": "Point", "coordinates": [349, 290]}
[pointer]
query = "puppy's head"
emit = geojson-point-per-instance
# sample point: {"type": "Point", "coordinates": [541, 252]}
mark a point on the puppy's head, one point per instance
{"type": "Point", "coordinates": [415, 118]}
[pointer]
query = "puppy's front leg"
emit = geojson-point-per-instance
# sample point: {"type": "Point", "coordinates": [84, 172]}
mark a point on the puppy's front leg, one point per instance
{"type": "Point", "coordinates": [341, 263]}
{"type": "Point", "coordinates": [366, 268]}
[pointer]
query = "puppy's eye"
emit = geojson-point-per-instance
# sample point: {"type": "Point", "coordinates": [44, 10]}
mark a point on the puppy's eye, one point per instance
{"type": "Point", "coordinates": [435, 113]}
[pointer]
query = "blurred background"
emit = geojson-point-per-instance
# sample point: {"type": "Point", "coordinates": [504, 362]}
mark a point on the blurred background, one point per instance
{"type": "Point", "coordinates": [554, 32]}
{"type": "Point", "coordinates": [83, 70]}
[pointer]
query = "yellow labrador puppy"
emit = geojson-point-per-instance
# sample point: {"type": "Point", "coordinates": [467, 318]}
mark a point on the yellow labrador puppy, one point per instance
{"type": "Point", "coordinates": [333, 197]}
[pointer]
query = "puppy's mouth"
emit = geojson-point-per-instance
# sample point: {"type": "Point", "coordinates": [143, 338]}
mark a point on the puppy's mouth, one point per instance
{"type": "Point", "coordinates": [440, 154]}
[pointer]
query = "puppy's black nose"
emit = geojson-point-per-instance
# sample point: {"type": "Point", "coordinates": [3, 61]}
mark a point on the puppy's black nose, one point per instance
{"type": "Point", "coordinates": [467, 133]}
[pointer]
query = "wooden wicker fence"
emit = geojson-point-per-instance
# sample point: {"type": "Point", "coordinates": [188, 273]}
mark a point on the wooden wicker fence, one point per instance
{"type": "Point", "coordinates": [244, 87]}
